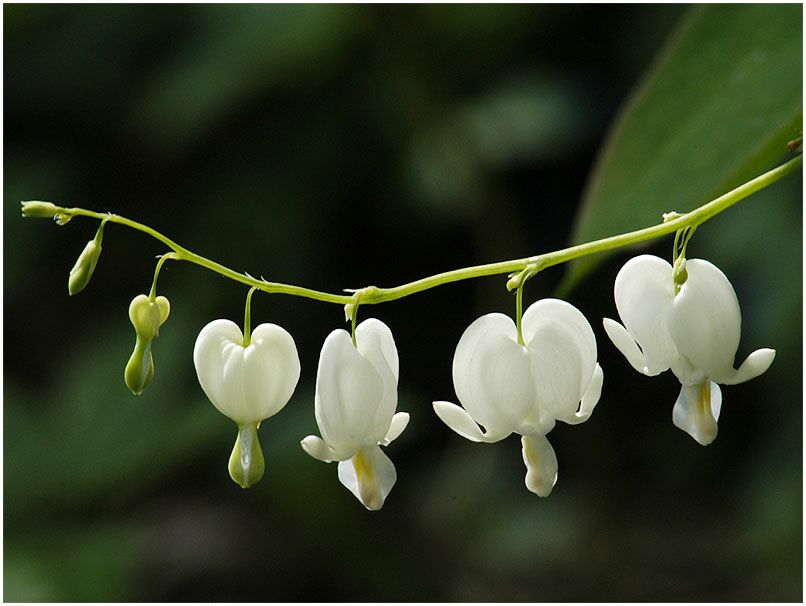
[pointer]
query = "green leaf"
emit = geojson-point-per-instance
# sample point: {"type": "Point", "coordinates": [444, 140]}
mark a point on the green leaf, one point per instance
{"type": "Point", "coordinates": [716, 108]}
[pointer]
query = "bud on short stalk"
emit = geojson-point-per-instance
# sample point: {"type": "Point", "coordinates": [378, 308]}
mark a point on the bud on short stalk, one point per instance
{"type": "Point", "coordinates": [146, 316]}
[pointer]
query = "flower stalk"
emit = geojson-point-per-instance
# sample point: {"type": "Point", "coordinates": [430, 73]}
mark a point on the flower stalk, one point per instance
{"type": "Point", "coordinates": [374, 295]}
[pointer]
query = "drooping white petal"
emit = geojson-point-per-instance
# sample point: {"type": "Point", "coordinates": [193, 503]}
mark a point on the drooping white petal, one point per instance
{"type": "Point", "coordinates": [625, 343]}
{"type": "Point", "coordinates": [589, 399]}
{"type": "Point", "coordinates": [369, 475]}
{"type": "Point", "coordinates": [349, 390]}
{"type": "Point", "coordinates": [705, 321]}
{"type": "Point", "coordinates": [541, 464]}
{"type": "Point", "coordinates": [318, 449]}
{"type": "Point", "coordinates": [374, 341]}
{"type": "Point", "coordinates": [458, 419]}
{"type": "Point", "coordinates": [644, 291]}
{"type": "Point", "coordinates": [247, 384]}
{"type": "Point", "coordinates": [562, 351]}
{"type": "Point", "coordinates": [697, 409]}
{"type": "Point", "coordinates": [491, 374]}
{"type": "Point", "coordinates": [754, 365]}
{"type": "Point", "coordinates": [399, 422]}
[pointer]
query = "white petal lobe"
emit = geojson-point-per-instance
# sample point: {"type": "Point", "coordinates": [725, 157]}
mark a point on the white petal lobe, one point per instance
{"type": "Point", "coordinates": [569, 325]}
{"type": "Point", "coordinates": [754, 365]}
{"type": "Point", "coordinates": [349, 390]}
{"type": "Point", "coordinates": [375, 343]}
{"type": "Point", "coordinates": [458, 419]}
{"type": "Point", "coordinates": [589, 399]}
{"type": "Point", "coordinates": [705, 321]}
{"type": "Point", "coordinates": [476, 339]}
{"type": "Point", "coordinates": [318, 449]}
{"type": "Point", "coordinates": [644, 292]}
{"type": "Point", "coordinates": [625, 343]}
{"type": "Point", "coordinates": [399, 422]}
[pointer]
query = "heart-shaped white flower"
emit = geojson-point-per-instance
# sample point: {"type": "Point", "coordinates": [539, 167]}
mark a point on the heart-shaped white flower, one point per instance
{"type": "Point", "coordinates": [695, 332]}
{"type": "Point", "coordinates": [507, 387]}
{"type": "Point", "coordinates": [247, 383]}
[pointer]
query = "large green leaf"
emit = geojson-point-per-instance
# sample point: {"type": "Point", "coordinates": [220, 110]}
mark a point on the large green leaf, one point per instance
{"type": "Point", "coordinates": [717, 107]}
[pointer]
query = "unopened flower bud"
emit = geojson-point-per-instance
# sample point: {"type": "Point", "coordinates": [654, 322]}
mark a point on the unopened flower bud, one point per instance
{"type": "Point", "coordinates": [39, 210]}
{"type": "Point", "coordinates": [82, 271]}
{"type": "Point", "coordinates": [246, 463]}
{"type": "Point", "coordinates": [679, 273]}
{"type": "Point", "coordinates": [146, 316]}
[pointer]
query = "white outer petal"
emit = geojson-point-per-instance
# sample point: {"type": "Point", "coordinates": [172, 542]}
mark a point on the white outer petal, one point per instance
{"type": "Point", "coordinates": [246, 384]}
{"type": "Point", "coordinates": [562, 350]}
{"type": "Point", "coordinates": [541, 464]}
{"type": "Point", "coordinates": [349, 391]}
{"type": "Point", "coordinates": [209, 360]}
{"type": "Point", "coordinates": [374, 331]}
{"type": "Point", "coordinates": [271, 370]}
{"type": "Point", "coordinates": [578, 332]}
{"type": "Point", "coordinates": [697, 409]}
{"type": "Point", "coordinates": [644, 291]}
{"type": "Point", "coordinates": [374, 341]}
{"type": "Point", "coordinates": [589, 399]}
{"type": "Point", "coordinates": [318, 449]}
{"type": "Point", "coordinates": [705, 321]}
{"type": "Point", "coordinates": [755, 364]}
{"type": "Point", "coordinates": [626, 344]}
{"type": "Point", "coordinates": [369, 475]}
{"type": "Point", "coordinates": [458, 419]}
{"type": "Point", "coordinates": [399, 422]}
{"type": "Point", "coordinates": [491, 374]}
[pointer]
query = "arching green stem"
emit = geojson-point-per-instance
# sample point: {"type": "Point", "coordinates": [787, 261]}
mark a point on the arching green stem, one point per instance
{"type": "Point", "coordinates": [372, 295]}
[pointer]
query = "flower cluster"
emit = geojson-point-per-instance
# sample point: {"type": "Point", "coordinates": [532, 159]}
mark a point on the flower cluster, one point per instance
{"type": "Point", "coordinates": [510, 377]}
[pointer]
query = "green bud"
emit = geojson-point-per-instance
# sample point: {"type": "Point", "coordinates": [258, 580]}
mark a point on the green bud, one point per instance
{"type": "Point", "coordinates": [82, 271]}
{"type": "Point", "coordinates": [39, 210]}
{"type": "Point", "coordinates": [680, 273]}
{"type": "Point", "coordinates": [146, 316]}
{"type": "Point", "coordinates": [246, 463]}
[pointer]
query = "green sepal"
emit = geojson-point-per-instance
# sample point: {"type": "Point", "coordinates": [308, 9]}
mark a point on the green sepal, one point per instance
{"type": "Point", "coordinates": [246, 463]}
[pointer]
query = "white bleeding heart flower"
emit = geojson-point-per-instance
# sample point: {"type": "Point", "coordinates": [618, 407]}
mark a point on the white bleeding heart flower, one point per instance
{"type": "Point", "coordinates": [356, 398]}
{"type": "Point", "coordinates": [510, 388]}
{"type": "Point", "coordinates": [247, 382]}
{"type": "Point", "coordinates": [694, 332]}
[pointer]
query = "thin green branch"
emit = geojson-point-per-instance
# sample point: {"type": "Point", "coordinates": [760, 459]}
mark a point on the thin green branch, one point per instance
{"type": "Point", "coordinates": [372, 295]}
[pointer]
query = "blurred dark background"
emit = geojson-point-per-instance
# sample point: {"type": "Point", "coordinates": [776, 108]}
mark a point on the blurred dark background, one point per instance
{"type": "Point", "coordinates": [341, 146]}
